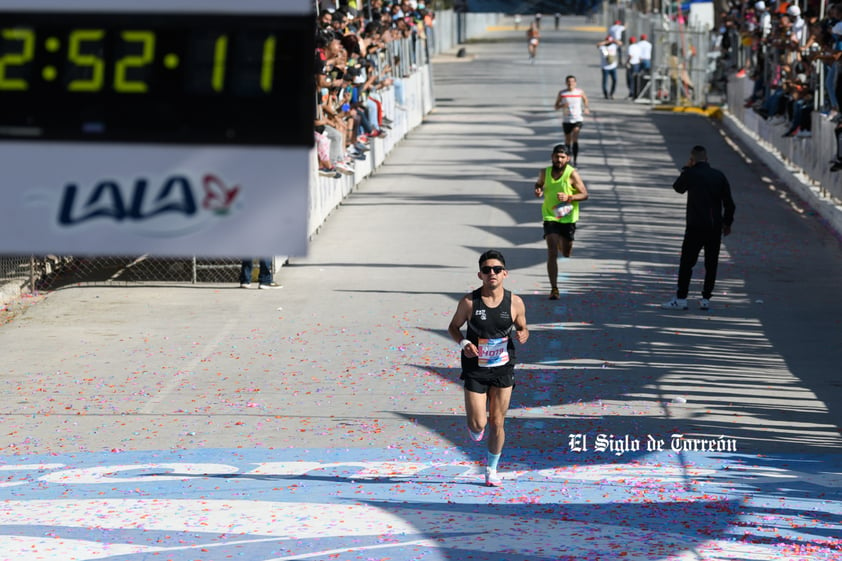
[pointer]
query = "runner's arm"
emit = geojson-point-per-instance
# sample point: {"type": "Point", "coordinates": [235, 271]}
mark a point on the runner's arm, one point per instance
{"type": "Point", "coordinates": [460, 317]}
{"type": "Point", "coordinates": [579, 185]}
{"type": "Point", "coordinates": [519, 313]}
{"type": "Point", "coordinates": [539, 185]}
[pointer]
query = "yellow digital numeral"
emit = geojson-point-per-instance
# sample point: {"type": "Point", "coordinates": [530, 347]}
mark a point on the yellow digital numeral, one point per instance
{"type": "Point", "coordinates": [220, 55]}
{"type": "Point", "coordinates": [77, 38]}
{"type": "Point", "coordinates": [20, 58]}
{"type": "Point", "coordinates": [268, 69]}
{"type": "Point", "coordinates": [121, 67]}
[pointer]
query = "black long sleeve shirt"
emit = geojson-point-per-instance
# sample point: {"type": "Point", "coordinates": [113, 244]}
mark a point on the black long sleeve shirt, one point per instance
{"type": "Point", "coordinates": [709, 201]}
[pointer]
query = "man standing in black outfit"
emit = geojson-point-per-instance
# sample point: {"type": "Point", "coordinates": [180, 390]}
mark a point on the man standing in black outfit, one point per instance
{"type": "Point", "coordinates": [710, 213]}
{"type": "Point", "coordinates": [495, 318]}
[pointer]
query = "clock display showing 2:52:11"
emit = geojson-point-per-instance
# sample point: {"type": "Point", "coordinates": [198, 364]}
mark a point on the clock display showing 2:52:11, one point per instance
{"type": "Point", "coordinates": [148, 76]}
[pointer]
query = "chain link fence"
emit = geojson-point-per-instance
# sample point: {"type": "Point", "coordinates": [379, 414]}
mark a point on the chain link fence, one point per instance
{"type": "Point", "coordinates": [686, 66]}
{"type": "Point", "coordinates": [22, 274]}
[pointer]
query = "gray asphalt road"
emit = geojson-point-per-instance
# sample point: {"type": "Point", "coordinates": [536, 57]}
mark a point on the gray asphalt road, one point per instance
{"type": "Point", "coordinates": [353, 351]}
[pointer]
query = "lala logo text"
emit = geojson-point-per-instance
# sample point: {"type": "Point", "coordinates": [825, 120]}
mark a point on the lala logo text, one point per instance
{"type": "Point", "coordinates": [143, 201]}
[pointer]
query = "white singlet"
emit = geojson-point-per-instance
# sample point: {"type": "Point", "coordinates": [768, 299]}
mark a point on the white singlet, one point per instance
{"type": "Point", "coordinates": [574, 105]}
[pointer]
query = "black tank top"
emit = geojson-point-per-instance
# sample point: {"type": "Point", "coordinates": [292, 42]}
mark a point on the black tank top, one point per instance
{"type": "Point", "coordinates": [490, 330]}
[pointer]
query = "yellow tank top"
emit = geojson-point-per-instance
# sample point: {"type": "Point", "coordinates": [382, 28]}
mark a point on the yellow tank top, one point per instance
{"type": "Point", "coordinates": [553, 210]}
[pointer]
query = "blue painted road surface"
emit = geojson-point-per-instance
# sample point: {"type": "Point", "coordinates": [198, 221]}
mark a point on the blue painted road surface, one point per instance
{"type": "Point", "coordinates": [366, 505]}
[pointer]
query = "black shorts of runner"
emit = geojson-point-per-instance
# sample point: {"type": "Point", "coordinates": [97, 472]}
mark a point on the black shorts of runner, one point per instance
{"type": "Point", "coordinates": [498, 377]}
{"type": "Point", "coordinates": [568, 127]}
{"type": "Point", "coordinates": [563, 229]}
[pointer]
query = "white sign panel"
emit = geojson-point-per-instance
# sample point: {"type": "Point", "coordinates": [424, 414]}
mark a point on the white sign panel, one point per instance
{"type": "Point", "coordinates": [122, 200]}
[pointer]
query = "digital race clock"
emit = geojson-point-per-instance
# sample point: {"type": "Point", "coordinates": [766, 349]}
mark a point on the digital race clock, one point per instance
{"type": "Point", "coordinates": [162, 77]}
{"type": "Point", "coordinates": [161, 127]}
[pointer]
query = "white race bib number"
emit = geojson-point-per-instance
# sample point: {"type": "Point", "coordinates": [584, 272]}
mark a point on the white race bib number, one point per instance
{"type": "Point", "coordinates": [493, 352]}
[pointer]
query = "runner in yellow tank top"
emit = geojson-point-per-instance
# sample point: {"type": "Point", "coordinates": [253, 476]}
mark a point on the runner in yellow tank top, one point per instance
{"type": "Point", "coordinates": [562, 190]}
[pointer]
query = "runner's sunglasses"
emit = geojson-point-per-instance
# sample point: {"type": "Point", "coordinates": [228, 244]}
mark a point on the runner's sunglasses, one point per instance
{"type": "Point", "coordinates": [496, 268]}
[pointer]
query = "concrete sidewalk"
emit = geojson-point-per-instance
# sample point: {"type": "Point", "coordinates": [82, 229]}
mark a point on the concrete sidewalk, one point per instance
{"type": "Point", "coordinates": [325, 420]}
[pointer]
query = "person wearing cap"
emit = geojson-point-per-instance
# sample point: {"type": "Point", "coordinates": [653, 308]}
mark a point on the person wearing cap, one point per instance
{"type": "Point", "coordinates": [798, 24]}
{"type": "Point", "coordinates": [632, 67]}
{"type": "Point", "coordinates": [616, 31]}
{"type": "Point", "coordinates": [645, 49]}
{"type": "Point", "coordinates": [764, 18]}
{"type": "Point", "coordinates": [562, 189]}
{"type": "Point", "coordinates": [610, 56]}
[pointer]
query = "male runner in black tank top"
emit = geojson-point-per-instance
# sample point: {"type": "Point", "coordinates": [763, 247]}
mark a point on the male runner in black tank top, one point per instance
{"type": "Point", "coordinates": [495, 317]}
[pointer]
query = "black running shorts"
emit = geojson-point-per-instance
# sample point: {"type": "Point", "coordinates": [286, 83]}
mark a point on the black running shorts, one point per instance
{"type": "Point", "coordinates": [569, 127]}
{"type": "Point", "coordinates": [563, 229]}
{"type": "Point", "coordinates": [498, 376]}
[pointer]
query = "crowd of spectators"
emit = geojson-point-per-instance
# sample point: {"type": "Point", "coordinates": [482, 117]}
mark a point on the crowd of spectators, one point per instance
{"type": "Point", "coordinates": [361, 52]}
{"type": "Point", "coordinates": [793, 54]}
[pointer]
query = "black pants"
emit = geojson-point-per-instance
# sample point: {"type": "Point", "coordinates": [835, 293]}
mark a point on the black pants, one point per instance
{"type": "Point", "coordinates": [694, 242]}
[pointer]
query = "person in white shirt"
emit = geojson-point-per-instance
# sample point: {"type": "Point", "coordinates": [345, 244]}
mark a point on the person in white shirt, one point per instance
{"type": "Point", "coordinates": [616, 31]}
{"type": "Point", "coordinates": [645, 49]}
{"type": "Point", "coordinates": [798, 23]}
{"type": "Point", "coordinates": [609, 54]}
{"type": "Point", "coordinates": [764, 18]}
{"type": "Point", "coordinates": [575, 104]}
{"type": "Point", "coordinates": [632, 67]}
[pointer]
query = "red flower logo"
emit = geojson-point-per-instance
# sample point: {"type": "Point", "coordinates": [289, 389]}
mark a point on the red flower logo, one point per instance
{"type": "Point", "coordinates": [218, 196]}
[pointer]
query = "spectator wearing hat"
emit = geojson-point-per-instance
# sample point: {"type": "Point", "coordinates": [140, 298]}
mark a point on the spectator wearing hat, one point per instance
{"type": "Point", "coordinates": [798, 24]}
{"type": "Point", "coordinates": [616, 31]}
{"type": "Point", "coordinates": [609, 53]}
{"type": "Point", "coordinates": [764, 19]}
{"type": "Point", "coordinates": [633, 67]}
{"type": "Point", "coordinates": [645, 48]}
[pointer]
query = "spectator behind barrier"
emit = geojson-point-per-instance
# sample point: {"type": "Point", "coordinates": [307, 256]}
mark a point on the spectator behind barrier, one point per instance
{"type": "Point", "coordinates": [357, 61]}
{"type": "Point", "coordinates": [785, 51]}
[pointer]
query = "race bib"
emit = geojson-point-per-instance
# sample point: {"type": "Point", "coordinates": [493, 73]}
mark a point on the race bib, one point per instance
{"type": "Point", "coordinates": [493, 352]}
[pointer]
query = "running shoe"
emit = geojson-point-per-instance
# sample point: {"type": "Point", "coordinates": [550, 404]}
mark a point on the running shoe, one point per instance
{"type": "Point", "coordinates": [554, 295]}
{"type": "Point", "coordinates": [269, 286]}
{"type": "Point", "coordinates": [492, 479]}
{"type": "Point", "coordinates": [245, 285]}
{"type": "Point", "coordinates": [675, 304]}
{"type": "Point", "coordinates": [329, 172]}
{"type": "Point", "coordinates": [476, 436]}
{"type": "Point", "coordinates": [704, 304]}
